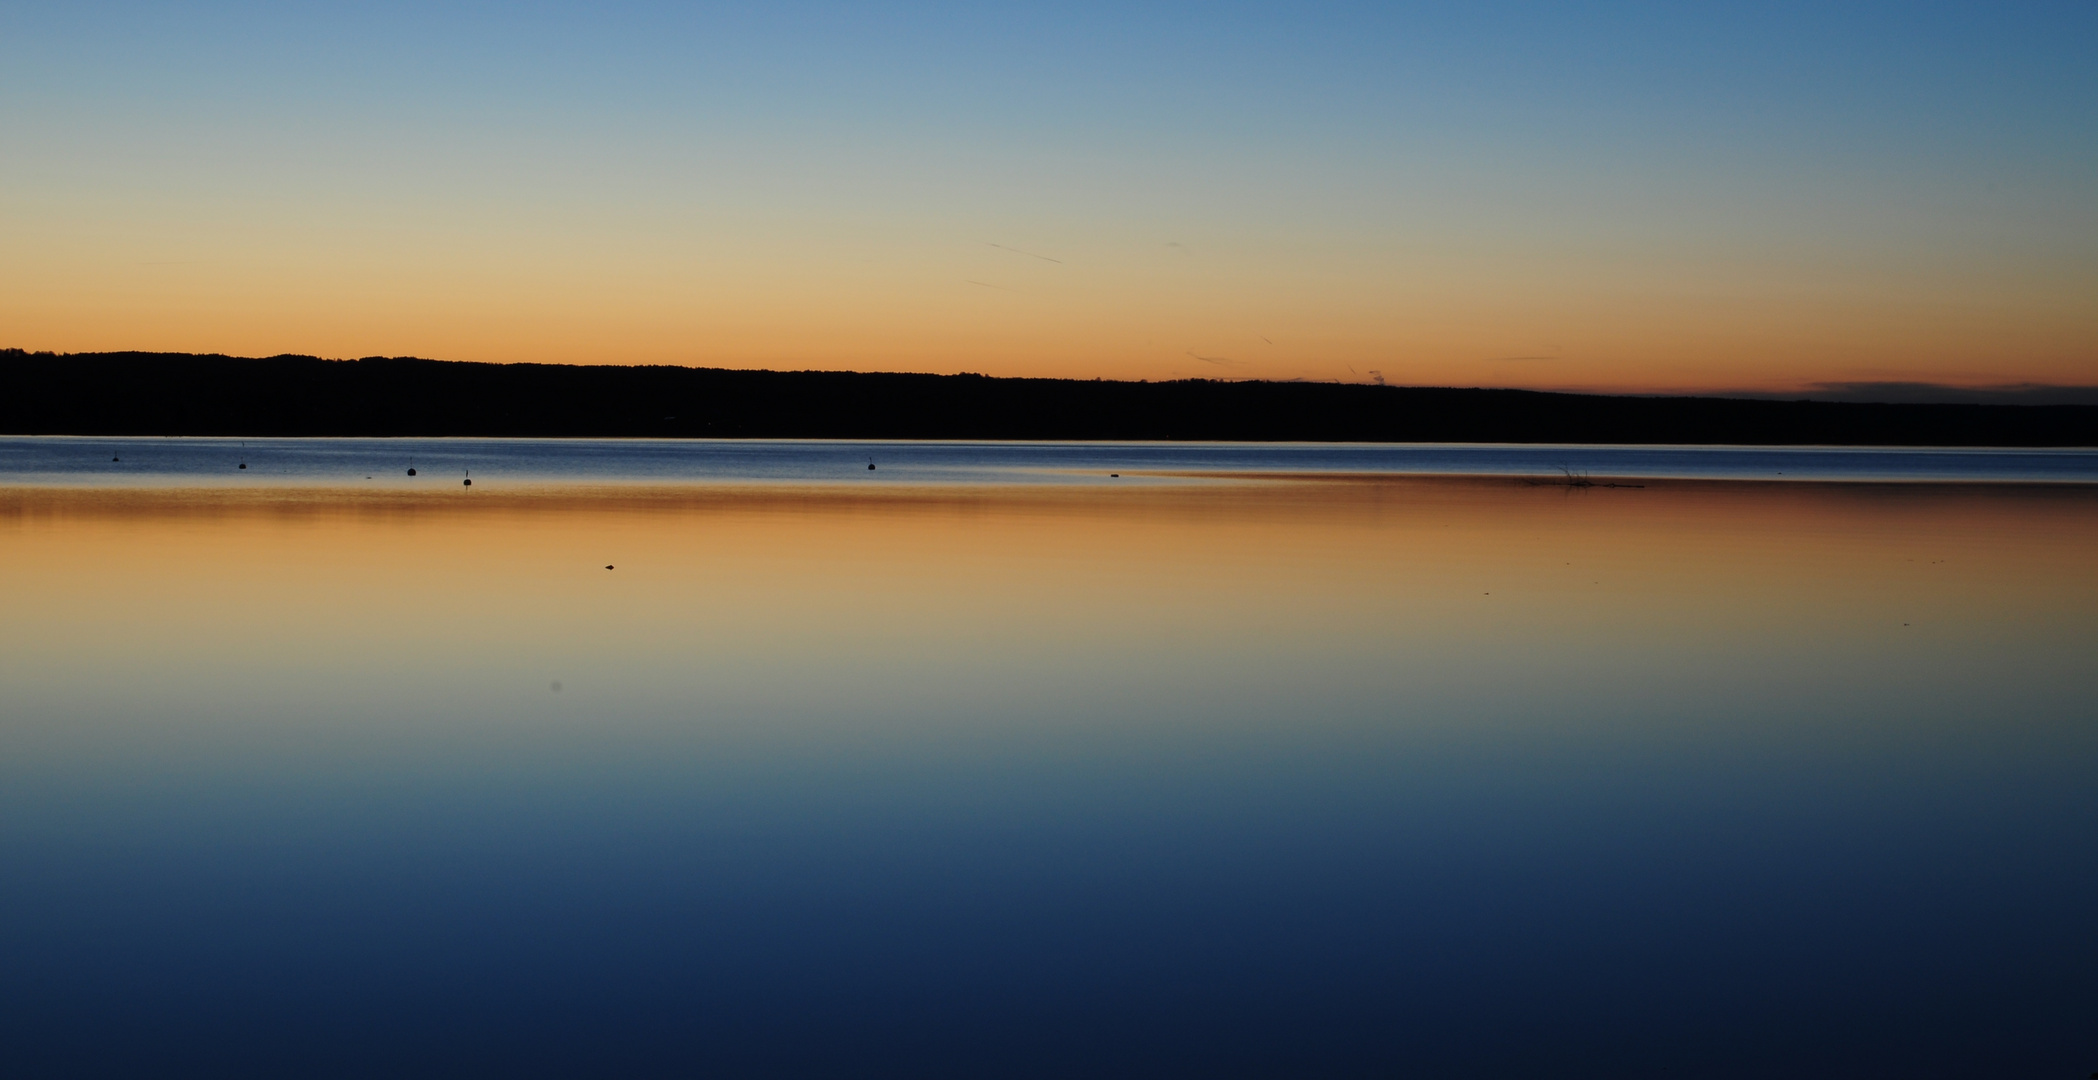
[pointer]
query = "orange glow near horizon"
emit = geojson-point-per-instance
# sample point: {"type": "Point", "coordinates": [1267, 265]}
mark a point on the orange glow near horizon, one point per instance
{"type": "Point", "coordinates": [1118, 314]}
{"type": "Point", "coordinates": [1072, 306]}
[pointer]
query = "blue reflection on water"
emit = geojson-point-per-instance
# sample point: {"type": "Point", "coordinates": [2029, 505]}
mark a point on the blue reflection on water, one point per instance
{"type": "Point", "coordinates": [1327, 911]}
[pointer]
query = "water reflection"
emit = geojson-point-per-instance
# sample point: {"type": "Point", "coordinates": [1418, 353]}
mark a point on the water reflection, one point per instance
{"type": "Point", "coordinates": [1368, 776]}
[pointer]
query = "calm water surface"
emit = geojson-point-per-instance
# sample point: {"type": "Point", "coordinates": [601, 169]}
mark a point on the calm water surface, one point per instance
{"type": "Point", "coordinates": [383, 463]}
{"type": "Point", "coordinates": [1254, 761]}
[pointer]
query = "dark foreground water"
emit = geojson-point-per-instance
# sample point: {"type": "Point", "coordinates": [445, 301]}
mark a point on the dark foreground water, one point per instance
{"type": "Point", "coordinates": [987, 764]}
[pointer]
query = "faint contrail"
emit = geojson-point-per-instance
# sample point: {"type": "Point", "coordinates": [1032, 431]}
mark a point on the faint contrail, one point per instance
{"type": "Point", "coordinates": [1029, 254]}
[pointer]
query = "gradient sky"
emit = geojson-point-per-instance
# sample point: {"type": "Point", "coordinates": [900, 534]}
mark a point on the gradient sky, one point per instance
{"type": "Point", "coordinates": [1608, 196]}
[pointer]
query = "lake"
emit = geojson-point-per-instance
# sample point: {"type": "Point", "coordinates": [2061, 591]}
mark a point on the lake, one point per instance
{"type": "Point", "coordinates": [660, 758]}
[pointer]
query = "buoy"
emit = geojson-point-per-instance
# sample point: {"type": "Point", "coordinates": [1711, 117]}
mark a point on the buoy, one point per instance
{"type": "Point", "coordinates": [870, 466]}
{"type": "Point", "coordinates": [113, 457]}
{"type": "Point", "coordinates": [411, 469]}
{"type": "Point", "coordinates": [1115, 475]}
{"type": "Point", "coordinates": [469, 479]}
{"type": "Point", "coordinates": [243, 464]}
{"type": "Point", "coordinates": [608, 566]}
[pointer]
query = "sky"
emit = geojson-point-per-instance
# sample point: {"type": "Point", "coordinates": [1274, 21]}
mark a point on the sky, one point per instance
{"type": "Point", "coordinates": [1640, 197]}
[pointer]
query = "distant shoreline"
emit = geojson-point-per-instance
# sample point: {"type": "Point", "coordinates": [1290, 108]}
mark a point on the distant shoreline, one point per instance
{"type": "Point", "coordinates": [132, 393]}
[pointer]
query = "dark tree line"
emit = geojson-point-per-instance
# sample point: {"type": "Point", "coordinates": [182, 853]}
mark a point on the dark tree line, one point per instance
{"type": "Point", "coordinates": [181, 394]}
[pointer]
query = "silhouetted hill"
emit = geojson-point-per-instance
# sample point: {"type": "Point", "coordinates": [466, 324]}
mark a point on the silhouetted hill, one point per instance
{"type": "Point", "coordinates": [182, 394]}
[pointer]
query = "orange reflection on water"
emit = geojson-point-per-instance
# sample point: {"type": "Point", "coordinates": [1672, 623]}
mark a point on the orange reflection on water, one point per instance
{"type": "Point", "coordinates": [1465, 599]}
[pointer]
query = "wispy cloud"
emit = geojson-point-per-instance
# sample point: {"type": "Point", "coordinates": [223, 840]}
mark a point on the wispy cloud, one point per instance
{"type": "Point", "coordinates": [1222, 361]}
{"type": "Point", "coordinates": [1553, 351]}
{"type": "Point", "coordinates": [1927, 393]}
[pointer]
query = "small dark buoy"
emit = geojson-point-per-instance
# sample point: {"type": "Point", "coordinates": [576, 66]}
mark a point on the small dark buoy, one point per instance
{"type": "Point", "coordinates": [469, 479]}
{"type": "Point", "coordinates": [608, 566]}
{"type": "Point", "coordinates": [870, 466]}
{"type": "Point", "coordinates": [113, 457]}
{"type": "Point", "coordinates": [243, 464]}
{"type": "Point", "coordinates": [1116, 475]}
{"type": "Point", "coordinates": [411, 470]}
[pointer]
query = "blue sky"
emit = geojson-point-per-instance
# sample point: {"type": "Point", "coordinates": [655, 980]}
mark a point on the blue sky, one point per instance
{"type": "Point", "coordinates": [1649, 195]}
